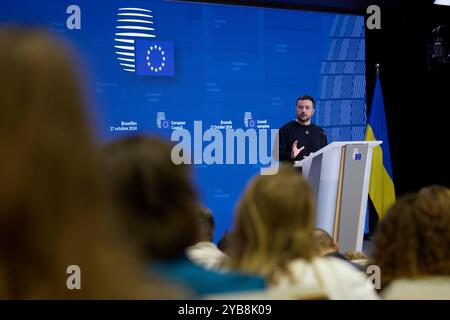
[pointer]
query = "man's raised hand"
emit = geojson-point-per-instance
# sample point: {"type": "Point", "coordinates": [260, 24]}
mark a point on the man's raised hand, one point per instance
{"type": "Point", "coordinates": [295, 150]}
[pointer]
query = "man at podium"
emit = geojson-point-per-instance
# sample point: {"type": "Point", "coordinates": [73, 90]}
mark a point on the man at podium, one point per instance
{"type": "Point", "coordinates": [299, 137]}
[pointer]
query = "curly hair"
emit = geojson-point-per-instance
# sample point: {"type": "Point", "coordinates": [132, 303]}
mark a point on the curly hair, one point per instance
{"type": "Point", "coordinates": [413, 240]}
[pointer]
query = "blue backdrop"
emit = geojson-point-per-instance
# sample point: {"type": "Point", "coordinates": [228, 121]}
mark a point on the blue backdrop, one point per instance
{"type": "Point", "coordinates": [157, 66]}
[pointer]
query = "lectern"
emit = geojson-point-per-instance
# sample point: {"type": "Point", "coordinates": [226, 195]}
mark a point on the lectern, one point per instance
{"type": "Point", "coordinates": [339, 174]}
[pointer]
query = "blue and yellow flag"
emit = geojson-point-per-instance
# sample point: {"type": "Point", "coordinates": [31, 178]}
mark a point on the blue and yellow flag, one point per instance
{"type": "Point", "coordinates": [381, 187]}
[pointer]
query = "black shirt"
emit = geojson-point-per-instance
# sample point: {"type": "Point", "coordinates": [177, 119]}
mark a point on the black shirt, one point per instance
{"type": "Point", "coordinates": [311, 136]}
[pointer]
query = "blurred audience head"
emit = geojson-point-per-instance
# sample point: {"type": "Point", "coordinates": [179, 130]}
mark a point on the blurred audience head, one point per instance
{"type": "Point", "coordinates": [355, 255]}
{"type": "Point", "coordinates": [274, 223]}
{"type": "Point", "coordinates": [206, 224]}
{"type": "Point", "coordinates": [325, 243]}
{"type": "Point", "coordinates": [52, 207]}
{"type": "Point", "coordinates": [224, 241]}
{"type": "Point", "coordinates": [154, 196]}
{"type": "Point", "coordinates": [413, 239]}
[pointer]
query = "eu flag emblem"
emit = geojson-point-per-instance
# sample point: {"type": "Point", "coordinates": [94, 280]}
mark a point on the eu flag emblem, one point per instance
{"type": "Point", "coordinates": [154, 58]}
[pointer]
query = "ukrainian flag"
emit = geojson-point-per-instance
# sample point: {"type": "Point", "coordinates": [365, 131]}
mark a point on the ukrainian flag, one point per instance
{"type": "Point", "coordinates": [381, 187]}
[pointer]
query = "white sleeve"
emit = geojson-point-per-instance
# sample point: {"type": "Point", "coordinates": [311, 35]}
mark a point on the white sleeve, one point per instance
{"type": "Point", "coordinates": [344, 282]}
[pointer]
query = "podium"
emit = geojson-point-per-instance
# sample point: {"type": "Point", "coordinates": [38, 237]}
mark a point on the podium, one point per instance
{"type": "Point", "coordinates": [339, 174]}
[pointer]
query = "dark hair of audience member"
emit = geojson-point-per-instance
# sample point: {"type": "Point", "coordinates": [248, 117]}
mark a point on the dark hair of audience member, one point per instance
{"type": "Point", "coordinates": [273, 224]}
{"type": "Point", "coordinates": [53, 212]}
{"type": "Point", "coordinates": [154, 195]}
{"type": "Point", "coordinates": [413, 239]}
{"type": "Point", "coordinates": [324, 241]}
{"type": "Point", "coordinates": [224, 241]}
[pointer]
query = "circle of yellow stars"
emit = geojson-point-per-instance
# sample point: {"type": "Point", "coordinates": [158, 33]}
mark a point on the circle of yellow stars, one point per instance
{"type": "Point", "coordinates": [156, 48]}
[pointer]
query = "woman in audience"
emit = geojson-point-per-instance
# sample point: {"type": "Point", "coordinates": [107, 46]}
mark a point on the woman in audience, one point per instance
{"type": "Point", "coordinates": [159, 207]}
{"type": "Point", "coordinates": [273, 236]}
{"type": "Point", "coordinates": [412, 246]}
{"type": "Point", "coordinates": [53, 212]}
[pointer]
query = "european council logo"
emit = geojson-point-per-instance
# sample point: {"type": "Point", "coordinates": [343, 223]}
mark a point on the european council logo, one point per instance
{"type": "Point", "coordinates": [154, 58]}
{"type": "Point", "coordinates": [161, 121]}
{"type": "Point", "coordinates": [134, 50]}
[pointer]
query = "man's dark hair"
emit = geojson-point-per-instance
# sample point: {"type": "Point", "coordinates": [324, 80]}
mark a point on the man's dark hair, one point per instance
{"type": "Point", "coordinates": [307, 97]}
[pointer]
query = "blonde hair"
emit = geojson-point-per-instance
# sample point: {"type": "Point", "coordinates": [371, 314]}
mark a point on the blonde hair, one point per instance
{"type": "Point", "coordinates": [143, 180]}
{"type": "Point", "coordinates": [53, 210]}
{"type": "Point", "coordinates": [273, 224]}
{"type": "Point", "coordinates": [413, 239]}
